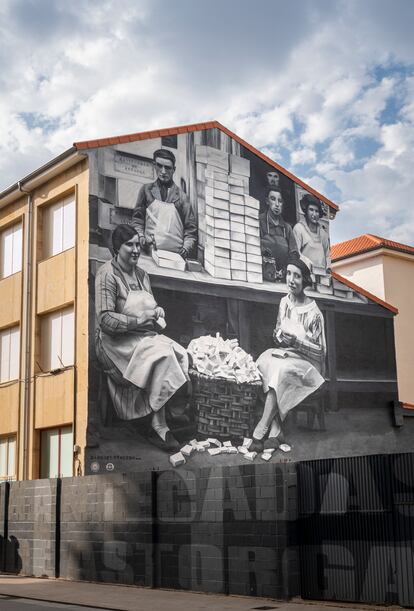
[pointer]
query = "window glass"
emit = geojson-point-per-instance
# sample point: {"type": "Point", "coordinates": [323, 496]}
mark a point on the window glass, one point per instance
{"type": "Point", "coordinates": [3, 458]}
{"type": "Point", "coordinates": [58, 339]}
{"type": "Point", "coordinates": [11, 244]}
{"type": "Point", "coordinates": [66, 452]}
{"type": "Point", "coordinates": [8, 457]}
{"type": "Point", "coordinates": [11, 458]}
{"type": "Point", "coordinates": [9, 354]}
{"type": "Point", "coordinates": [56, 452]}
{"type": "Point", "coordinates": [59, 227]}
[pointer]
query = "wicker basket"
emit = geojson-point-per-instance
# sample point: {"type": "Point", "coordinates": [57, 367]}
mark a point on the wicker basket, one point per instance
{"type": "Point", "coordinates": [223, 408]}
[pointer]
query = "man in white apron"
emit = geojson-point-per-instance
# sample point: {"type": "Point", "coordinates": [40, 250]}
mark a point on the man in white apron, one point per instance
{"type": "Point", "coordinates": [163, 213]}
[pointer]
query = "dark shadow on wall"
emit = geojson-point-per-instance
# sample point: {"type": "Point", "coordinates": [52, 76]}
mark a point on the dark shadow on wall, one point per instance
{"type": "Point", "coordinates": [11, 561]}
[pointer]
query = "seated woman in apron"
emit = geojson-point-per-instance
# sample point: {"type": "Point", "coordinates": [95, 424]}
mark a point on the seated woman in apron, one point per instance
{"type": "Point", "coordinates": [276, 235]}
{"type": "Point", "coordinates": [294, 369]}
{"type": "Point", "coordinates": [311, 237]}
{"type": "Point", "coordinates": [144, 368]}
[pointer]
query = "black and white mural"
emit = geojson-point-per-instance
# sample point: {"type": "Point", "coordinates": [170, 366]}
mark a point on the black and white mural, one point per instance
{"type": "Point", "coordinates": [217, 331]}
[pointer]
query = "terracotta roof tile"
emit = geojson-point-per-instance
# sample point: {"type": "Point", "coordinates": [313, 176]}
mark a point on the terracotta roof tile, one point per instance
{"type": "Point", "coordinates": [365, 243]}
{"type": "Point", "coordinates": [359, 289]}
{"type": "Point", "coordinates": [87, 144]}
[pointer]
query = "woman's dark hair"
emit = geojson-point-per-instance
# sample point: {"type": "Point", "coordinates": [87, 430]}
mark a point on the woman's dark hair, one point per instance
{"type": "Point", "coordinates": [306, 275]}
{"type": "Point", "coordinates": [121, 234]}
{"type": "Point", "coordinates": [308, 200]}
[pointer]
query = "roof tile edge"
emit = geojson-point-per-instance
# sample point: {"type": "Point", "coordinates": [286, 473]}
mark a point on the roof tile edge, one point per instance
{"type": "Point", "coordinates": [86, 144]}
{"type": "Point", "coordinates": [359, 289]}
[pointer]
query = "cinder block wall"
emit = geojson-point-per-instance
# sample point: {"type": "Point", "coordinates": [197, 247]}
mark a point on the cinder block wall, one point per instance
{"type": "Point", "coordinates": [229, 530]}
{"type": "Point", "coordinates": [106, 528]}
{"type": "Point", "coordinates": [31, 528]}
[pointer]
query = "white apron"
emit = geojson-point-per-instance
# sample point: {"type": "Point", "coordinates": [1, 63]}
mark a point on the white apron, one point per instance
{"type": "Point", "coordinates": [164, 223]}
{"type": "Point", "coordinates": [151, 362]}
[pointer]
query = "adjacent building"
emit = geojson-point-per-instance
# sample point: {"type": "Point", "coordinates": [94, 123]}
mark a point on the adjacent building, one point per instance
{"type": "Point", "coordinates": [386, 269]}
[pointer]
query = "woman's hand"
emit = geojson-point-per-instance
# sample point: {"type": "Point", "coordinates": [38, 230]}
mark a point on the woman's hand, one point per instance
{"type": "Point", "coordinates": [288, 339]}
{"type": "Point", "coordinates": [159, 313]}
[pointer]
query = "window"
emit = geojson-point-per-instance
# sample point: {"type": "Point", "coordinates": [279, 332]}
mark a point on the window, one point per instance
{"type": "Point", "coordinates": [8, 457]}
{"type": "Point", "coordinates": [59, 227]}
{"type": "Point", "coordinates": [58, 339]}
{"type": "Point", "coordinates": [11, 247]}
{"type": "Point", "coordinates": [56, 452]}
{"type": "Point", "coordinates": [9, 354]}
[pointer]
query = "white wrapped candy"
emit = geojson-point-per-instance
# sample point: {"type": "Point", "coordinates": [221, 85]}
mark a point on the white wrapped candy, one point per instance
{"type": "Point", "coordinates": [177, 459]}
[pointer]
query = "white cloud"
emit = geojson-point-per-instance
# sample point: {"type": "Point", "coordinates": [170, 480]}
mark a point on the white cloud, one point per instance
{"type": "Point", "coordinates": [329, 90]}
{"type": "Point", "coordinates": [303, 155]}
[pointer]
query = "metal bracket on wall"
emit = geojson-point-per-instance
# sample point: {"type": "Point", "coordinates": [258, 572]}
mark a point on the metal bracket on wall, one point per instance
{"type": "Point", "coordinates": [398, 413]}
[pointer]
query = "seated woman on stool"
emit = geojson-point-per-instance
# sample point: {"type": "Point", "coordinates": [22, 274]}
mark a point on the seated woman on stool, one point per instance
{"type": "Point", "coordinates": [293, 369]}
{"type": "Point", "coordinates": [144, 369]}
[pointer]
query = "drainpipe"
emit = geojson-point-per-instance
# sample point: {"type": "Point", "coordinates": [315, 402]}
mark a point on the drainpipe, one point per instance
{"type": "Point", "coordinates": [28, 282]}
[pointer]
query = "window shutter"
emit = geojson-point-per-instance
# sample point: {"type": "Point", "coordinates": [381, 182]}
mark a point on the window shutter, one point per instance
{"type": "Point", "coordinates": [68, 227]}
{"type": "Point", "coordinates": [14, 369]}
{"type": "Point", "coordinates": [68, 337]}
{"type": "Point", "coordinates": [11, 458]}
{"type": "Point", "coordinates": [3, 457]}
{"type": "Point", "coordinates": [57, 228]}
{"type": "Point", "coordinates": [11, 250]}
{"type": "Point", "coordinates": [66, 452]}
{"type": "Point", "coordinates": [5, 355]}
{"type": "Point", "coordinates": [17, 248]}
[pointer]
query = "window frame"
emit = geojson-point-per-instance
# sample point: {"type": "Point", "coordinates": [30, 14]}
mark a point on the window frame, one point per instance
{"type": "Point", "coordinates": [59, 430]}
{"type": "Point", "coordinates": [16, 377]}
{"type": "Point", "coordinates": [47, 357]}
{"type": "Point", "coordinates": [8, 439]}
{"type": "Point", "coordinates": [11, 227]}
{"type": "Point", "coordinates": [46, 250]}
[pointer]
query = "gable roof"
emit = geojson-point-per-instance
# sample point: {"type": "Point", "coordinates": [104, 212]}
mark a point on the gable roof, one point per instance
{"type": "Point", "coordinates": [367, 294]}
{"type": "Point", "coordinates": [183, 129]}
{"type": "Point", "coordinates": [366, 243]}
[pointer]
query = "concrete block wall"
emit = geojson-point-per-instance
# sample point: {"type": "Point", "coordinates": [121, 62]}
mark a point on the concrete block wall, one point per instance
{"type": "Point", "coordinates": [31, 528]}
{"type": "Point", "coordinates": [3, 523]}
{"type": "Point", "coordinates": [228, 530]}
{"type": "Point", "coordinates": [106, 528]}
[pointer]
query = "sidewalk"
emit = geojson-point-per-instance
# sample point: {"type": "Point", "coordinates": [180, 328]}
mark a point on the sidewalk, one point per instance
{"type": "Point", "coordinates": [129, 598]}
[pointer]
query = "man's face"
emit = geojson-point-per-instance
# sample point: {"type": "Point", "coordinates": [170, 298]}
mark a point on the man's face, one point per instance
{"type": "Point", "coordinates": [273, 179]}
{"type": "Point", "coordinates": [275, 202]}
{"type": "Point", "coordinates": [164, 168]}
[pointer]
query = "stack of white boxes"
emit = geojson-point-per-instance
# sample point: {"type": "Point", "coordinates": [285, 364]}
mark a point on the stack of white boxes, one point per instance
{"type": "Point", "coordinates": [323, 281]}
{"type": "Point", "coordinates": [229, 230]}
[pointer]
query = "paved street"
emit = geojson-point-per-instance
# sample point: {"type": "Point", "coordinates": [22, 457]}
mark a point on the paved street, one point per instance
{"type": "Point", "coordinates": [20, 604]}
{"type": "Point", "coordinates": [29, 594]}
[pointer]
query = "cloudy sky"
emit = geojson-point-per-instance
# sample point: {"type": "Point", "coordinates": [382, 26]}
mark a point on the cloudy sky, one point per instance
{"type": "Point", "coordinates": [325, 87]}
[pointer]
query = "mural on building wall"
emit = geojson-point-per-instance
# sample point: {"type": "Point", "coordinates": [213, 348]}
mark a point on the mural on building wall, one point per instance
{"type": "Point", "coordinates": [210, 282]}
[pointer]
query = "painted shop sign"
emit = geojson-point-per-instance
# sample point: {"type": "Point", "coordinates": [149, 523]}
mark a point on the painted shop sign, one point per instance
{"type": "Point", "coordinates": [133, 165]}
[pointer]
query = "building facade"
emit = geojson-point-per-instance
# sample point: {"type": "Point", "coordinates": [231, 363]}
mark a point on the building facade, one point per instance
{"type": "Point", "coordinates": [386, 269]}
{"type": "Point", "coordinates": [60, 407]}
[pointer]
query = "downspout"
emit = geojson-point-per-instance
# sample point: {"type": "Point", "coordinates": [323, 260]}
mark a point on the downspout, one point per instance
{"type": "Point", "coordinates": [28, 290]}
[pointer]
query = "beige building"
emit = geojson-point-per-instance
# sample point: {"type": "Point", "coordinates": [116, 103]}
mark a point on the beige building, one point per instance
{"type": "Point", "coordinates": [43, 319]}
{"type": "Point", "coordinates": [386, 269]}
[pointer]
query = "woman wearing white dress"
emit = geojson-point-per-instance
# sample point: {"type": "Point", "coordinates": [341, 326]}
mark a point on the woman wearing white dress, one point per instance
{"type": "Point", "coordinates": [144, 368]}
{"type": "Point", "coordinates": [294, 369]}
